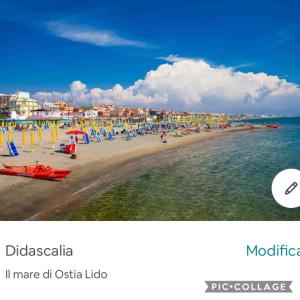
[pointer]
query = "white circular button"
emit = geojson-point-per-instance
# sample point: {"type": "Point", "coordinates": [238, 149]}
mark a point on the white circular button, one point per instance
{"type": "Point", "coordinates": [286, 188]}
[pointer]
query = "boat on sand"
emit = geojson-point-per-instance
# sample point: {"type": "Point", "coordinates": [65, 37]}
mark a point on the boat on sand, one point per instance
{"type": "Point", "coordinates": [38, 172]}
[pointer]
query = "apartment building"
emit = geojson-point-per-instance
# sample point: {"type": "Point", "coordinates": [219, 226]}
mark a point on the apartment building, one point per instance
{"type": "Point", "coordinates": [20, 103]}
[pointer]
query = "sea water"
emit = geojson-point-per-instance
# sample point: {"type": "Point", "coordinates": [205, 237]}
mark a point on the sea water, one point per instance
{"type": "Point", "coordinates": [227, 178]}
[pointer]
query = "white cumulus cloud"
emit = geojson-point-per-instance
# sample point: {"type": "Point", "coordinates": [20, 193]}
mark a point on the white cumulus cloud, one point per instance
{"type": "Point", "coordinates": [194, 85]}
{"type": "Point", "coordinates": [86, 34]}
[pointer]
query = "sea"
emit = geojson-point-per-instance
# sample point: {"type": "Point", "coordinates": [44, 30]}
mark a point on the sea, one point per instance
{"type": "Point", "coordinates": [227, 178]}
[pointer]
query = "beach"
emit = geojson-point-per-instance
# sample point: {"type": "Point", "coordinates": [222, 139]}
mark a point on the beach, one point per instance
{"type": "Point", "coordinates": [98, 165]}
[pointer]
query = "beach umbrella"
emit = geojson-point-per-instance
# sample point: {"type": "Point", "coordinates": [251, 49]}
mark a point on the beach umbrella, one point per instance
{"type": "Point", "coordinates": [1, 141]}
{"type": "Point", "coordinates": [75, 132]}
{"type": "Point", "coordinates": [57, 132]}
{"type": "Point", "coordinates": [9, 137]}
{"type": "Point", "coordinates": [32, 140]}
{"type": "Point", "coordinates": [41, 135]}
{"type": "Point", "coordinates": [52, 137]}
{"type": "Point", "coordinates": [23, 138]}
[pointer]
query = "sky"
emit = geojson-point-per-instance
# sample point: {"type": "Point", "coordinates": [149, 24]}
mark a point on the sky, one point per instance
{"type": "Point", "coordinates": [200, 55]}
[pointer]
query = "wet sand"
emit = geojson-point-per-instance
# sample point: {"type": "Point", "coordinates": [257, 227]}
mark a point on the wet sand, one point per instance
{"type": "Point", "coordinates": [98, 166]}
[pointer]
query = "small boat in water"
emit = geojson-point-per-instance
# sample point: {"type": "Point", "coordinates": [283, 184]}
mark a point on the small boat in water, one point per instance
{"type": "Point", "coordinates": [275, 126]}
{"type": "Point", "coordinates": [38, 172]}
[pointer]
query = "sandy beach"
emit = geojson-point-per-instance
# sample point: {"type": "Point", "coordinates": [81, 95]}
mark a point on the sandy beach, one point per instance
{"type": "Point", "coordinates": [98, 166]}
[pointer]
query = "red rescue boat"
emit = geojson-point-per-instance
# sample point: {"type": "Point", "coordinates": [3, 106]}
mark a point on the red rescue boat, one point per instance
{"type": "Point", "coordinates": [38, 172]}
{"type": "Point", "coordinates": [275, 126]}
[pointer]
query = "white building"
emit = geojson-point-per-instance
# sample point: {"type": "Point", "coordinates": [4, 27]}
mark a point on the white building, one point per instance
{"type": "Point", "coordinates": [87, 114]}
{"type": "Point", "coordinates": [50, 105]}
{"type": "Point", "coordinates": [20, 103]}
{"type": "Point", "coordinates": [45, 114]}
{"type": "Point", "coordinates": [90, 114]}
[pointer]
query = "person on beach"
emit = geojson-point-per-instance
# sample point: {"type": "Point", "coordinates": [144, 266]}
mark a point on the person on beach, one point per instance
{"type": "Point", "coordinates": [162, 136]}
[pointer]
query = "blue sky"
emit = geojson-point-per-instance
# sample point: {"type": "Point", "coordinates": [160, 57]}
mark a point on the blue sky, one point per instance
{"type": "Point", "coordinates": [46, 45]}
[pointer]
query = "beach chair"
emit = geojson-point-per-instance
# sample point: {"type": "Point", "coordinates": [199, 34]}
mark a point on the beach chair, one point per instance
{"type": "Point", "coordinates": [128, 136]}
{"type": "Point", "coordinates": [62, 148]}
{"type": "Point", "coordinates": [105, 133]}
{"type": "Point", "coordinates": [12, 149]}
{"type": "Point", "coordinates": [86, 138]}
{"type": "Point", "coordinates": [98, 137]}
{"type": "Point", "coordinates": [110, 136]}
{"type": "Point", "coordinates": [93, 134]}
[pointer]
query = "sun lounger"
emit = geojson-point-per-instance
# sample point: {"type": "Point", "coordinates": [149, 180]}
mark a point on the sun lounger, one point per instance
{"type": "Point", "coordinates": [12, 149]}
{"type": "Point", "coordinates": [98, 137]}
{"type": "Point", "coordinates": [86, 138]}
{"type": "Point", "coordinates": [110, 136]}
{"type": "Point", "coordinates": [128, 136]}
{"type": "Point", "coordinates": [62, 148]}
{"type": "Point", "coordinates": [93, 133]}
{"type": "Point", "coordinates": [105, 133]}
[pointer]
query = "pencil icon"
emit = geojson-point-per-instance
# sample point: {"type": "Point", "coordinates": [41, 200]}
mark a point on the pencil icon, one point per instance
{"type": "Point", "coordinates": [291, 188]}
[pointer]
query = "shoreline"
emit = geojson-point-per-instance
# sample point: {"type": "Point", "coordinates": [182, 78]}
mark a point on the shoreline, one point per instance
{"type": "Point", "coordinates": [57, 199]}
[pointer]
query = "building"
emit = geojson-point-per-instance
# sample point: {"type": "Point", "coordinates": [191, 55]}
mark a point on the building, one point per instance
{"type": "Point", "coordinates": [66, 109]}
{"type": "Point", "coordinates": [50, 105]}
{"type": "Point", "coordinates": [91, 114]}
{"type": "Point", "coordinates": [44, 114]}
{"type": "Point", "coordinates": [107, 110]}
{"type": "Point", "coordinates": [85, 113]}
{"type": "Point", "coordinates": [20, 103]}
